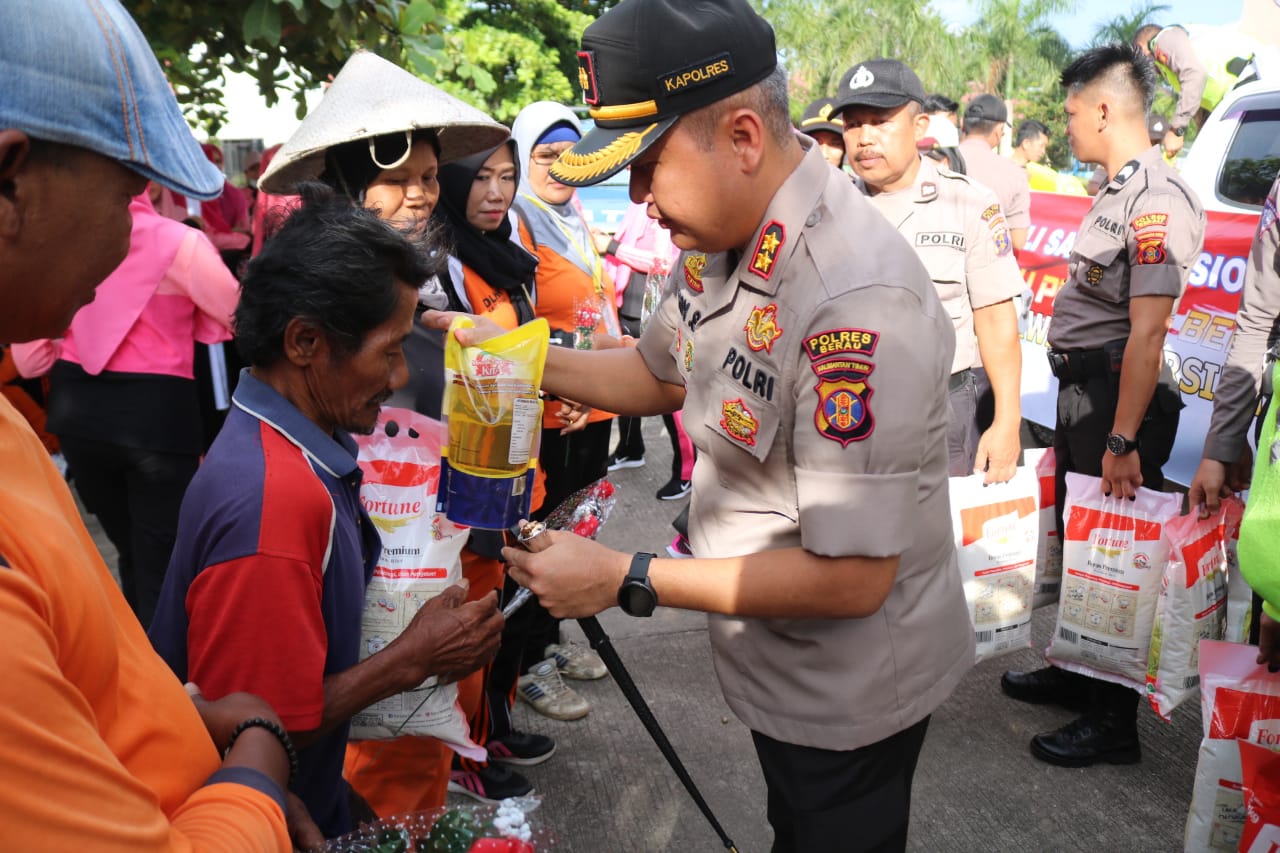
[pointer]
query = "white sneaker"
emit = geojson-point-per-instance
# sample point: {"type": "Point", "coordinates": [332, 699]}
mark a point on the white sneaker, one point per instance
{"type": "Point", "coordinates": [545, 690]}
{"type": "Point", "coordinates": [577, 661]}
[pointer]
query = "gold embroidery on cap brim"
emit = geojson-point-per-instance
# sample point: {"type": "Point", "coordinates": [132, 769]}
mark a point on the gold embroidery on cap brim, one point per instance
{"type": "Point", "coordinates": [584, 167]}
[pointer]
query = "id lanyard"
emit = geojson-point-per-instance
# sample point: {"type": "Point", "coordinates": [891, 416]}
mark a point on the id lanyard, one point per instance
{"type": "Point", "coordinates": [593, 263]}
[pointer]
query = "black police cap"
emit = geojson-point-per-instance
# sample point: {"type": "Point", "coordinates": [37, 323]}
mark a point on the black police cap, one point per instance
{"type": "Point", "coordinates": [644, 63]}
{"type": "Point", "coordinates": [817, 116]}
{"type": "Point", "coordinates": [879, 83]}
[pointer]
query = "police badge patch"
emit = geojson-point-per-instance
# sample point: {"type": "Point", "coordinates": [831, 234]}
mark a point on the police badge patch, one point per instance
{"type": "Point", "coordinates": [762, 328]}
{"type": "Point", "coordinates": [1094, 275]}
{"type": "Point", "coordinates": [1268, 217]}
{"type": "Point", "coordinates": [693, 267]}
{"type": "Point", "coordinates": [1151, 248]}
{"type": "Point", "coordinates": [843, 413]}
{"type": "Point", "coordinates": [739, 422]}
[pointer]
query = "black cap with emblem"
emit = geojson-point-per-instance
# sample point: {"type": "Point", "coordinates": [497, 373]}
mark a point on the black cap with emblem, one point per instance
{"type": "Point", "coordinates": [879, 83]}
{"type": "Point", "coordinates": [644, 63]}
{"type": "Point", "coordinates": [817, 116]}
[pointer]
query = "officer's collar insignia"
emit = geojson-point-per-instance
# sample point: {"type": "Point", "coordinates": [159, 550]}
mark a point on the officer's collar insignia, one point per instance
{"type": "Point", "coordinates": [1125, 173]}
{"type": "Point", "coordinates": [587, 77]}
{"type": "Point", "coordinates": [762, 328]}
{"type": "Point", "coordinates": [766, 252]}
{"type": "Point", "coordinates": [693, 267]}
{"type": "Point", "coordinates": [584, 167]}
{"type": "Point", "coordinates": [738, 421]}
{"type": "Point", "coordinates": [1094, 275]}
{"type": "Point", "coordinates": [861, 79]}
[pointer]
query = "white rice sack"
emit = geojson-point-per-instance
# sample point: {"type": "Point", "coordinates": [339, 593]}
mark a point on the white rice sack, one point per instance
{"type": "Point", "coordinates": [1239, 593]}
{"type": "Point", "coordinates": [421, 558]}
{"type": "Point", "coordinates": [1238, 699]}
{"type": "Point", "coordinates": [1048, 546]}
{"type": "Point", "coordinates": [995, 529]}
{"type": "Point", "coordinates": [1113, 558]}
{"type": "Point", "coordinates": [1191, 607]}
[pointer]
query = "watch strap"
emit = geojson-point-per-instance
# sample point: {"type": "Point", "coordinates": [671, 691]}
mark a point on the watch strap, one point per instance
{"type": "Point", "coordinates": [639, 570]}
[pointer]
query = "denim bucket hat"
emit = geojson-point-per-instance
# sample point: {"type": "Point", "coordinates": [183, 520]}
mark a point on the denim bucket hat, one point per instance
{"type": "Point", "coordinates": [79, 72]}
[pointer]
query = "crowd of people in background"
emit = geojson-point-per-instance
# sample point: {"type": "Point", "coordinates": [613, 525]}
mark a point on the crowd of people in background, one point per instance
{"type": "Point", "coordinates": [243, 547]}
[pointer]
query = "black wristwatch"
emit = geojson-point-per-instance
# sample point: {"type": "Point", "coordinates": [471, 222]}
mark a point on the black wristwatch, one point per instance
{"type": "Point", "coordinates": [1119, 445]}
{"type": "Point", "coordinates": [636, 596]}
{"type": "Point", "coordinates": [1179, 131]}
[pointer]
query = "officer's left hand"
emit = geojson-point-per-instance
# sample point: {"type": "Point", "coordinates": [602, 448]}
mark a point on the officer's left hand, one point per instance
{"type": "Point", "coordinates": [573, 416]}
{"type": "Point", "coordinates": [1121, 475]}
{"type": "Point", "coordinates": [573, 578]}
{"type": "Point", "coordinates": [998, 451]}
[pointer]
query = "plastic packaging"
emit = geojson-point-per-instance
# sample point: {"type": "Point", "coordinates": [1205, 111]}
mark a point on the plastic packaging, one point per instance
{"type": "Point", "coordinates": [1260, 769]}
{"type": "Point", "coordinates": [1239, 699]}
{"type": "Point", "coordinates": [1191, 606]}
{"type": "Point", "coordinates": [503, 828]}
{"type": "Point", "coordinates": [1049, 546]}
{"type": "Point", "coordinates": [421, 557]}
{"type": "Point", "coordinates": [1113, 558]}
{"type": "Point", "coordinates": [492, 415]}
{"type": "Point", "coordinates": [996, 530]}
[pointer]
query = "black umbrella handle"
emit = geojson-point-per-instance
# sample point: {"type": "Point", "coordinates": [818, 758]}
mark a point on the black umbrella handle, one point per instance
{"type": "Point", "coordinates": [600, 642]}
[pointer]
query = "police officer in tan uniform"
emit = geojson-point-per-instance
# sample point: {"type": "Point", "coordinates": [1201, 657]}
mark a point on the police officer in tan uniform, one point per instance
{"type": "Point", "coordinates": [1118, 403]}
{"type": "Point", "coordinates": [960, 233]}
{"type": "Point", "coordinates": [985, 120]}
{"type": "Point", "coordinates": [816, 122]}
{"type": "Point", "coordinates": [814, 367]}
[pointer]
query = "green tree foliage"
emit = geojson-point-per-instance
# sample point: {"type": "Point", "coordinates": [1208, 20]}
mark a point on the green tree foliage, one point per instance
{"type": "Point", "coordinates": [1122, 27]}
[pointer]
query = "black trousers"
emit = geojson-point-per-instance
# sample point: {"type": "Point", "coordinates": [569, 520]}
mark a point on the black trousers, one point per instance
{"type": "Point", "coordinates": [1086, 413]}
{"type": "Point", "coordinates": [136, 495]}
{"type": "Point", "coordinates": [855, 801]}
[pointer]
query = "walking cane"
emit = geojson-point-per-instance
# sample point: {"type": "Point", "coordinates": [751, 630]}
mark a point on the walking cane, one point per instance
{"type": "Point", "coordinates": [604, 647]}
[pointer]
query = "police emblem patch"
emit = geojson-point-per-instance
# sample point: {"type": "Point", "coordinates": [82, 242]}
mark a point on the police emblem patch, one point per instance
{"type": "Point", "coordinates": [771, 240]}
{"type": "Point", "coordinates": [762, 328]}
{"type": "Point", "coordinates": [1000, 238]}
{"type": "Point", "coordinates": [1151, 248]}
{"type": "Point", "coordinates": [693, 267]}
{"type": "Point", "coordinates": [1094, 275]}
{"type": "Point", "coordinates": [739, 422]}
{"type": "Point", "coordinates": [1147, 220]}
{"type": "Point", "coordinates": [688, 356]}
{"type": "Point", "coordinates": [587, 77]}
{"type": "Point", "coordinates": [861, 79]}
{"type": "Point", "coordinates": [1268, 217]}
{"type": "Point", "coordinates": [837, 341]}
{"type": "Point", "coordinates": [843, 413]}
{"type": "Point", "coordinates": [990, 213]}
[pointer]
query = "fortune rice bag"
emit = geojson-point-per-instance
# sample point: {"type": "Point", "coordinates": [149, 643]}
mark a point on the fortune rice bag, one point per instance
{"type": "Point", "coordinates": [1239, 699]}
{"type": "Point", "coordinates": [1049, 547]}
{"type": "Point", "coordinates": [1113, 558]}
{"type": "Point", "coordinates": [1191, 606]}
{"type": "Point", "coordinates": [995, 529]}
{"type": "Point", "coordinates": [421, 557]}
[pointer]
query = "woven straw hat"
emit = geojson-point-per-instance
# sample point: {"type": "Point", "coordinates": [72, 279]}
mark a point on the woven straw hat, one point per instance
{"type": "Point", "coordinates": [371, 97]}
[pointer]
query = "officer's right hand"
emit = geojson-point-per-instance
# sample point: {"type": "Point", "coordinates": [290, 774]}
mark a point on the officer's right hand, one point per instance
{"type": "Point", "coordinates": [1208, 487]}
{"type": "Point", "coordinates": [450, 638]}
{"type": "Point", "coordinates": [483, 330]}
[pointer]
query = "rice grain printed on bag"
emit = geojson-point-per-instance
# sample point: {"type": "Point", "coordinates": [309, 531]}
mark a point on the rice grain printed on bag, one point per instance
{"type": "Point", "coordinates": [1113, 558]}
{"type": "Point", "coordinates": [996, 528]}
{"type": "Point", "coordinates": [1239, 699]}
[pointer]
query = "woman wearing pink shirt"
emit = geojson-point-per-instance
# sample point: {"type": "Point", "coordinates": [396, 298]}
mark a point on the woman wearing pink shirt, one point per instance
{"type": "Point", "coordinates": [122, 399]}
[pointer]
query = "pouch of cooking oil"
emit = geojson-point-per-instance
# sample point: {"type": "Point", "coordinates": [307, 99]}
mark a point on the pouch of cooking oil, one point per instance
{"type": "Point", "coordinates": [492, 415]}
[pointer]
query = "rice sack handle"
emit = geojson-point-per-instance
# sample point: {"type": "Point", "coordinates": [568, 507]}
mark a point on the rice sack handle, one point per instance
{"type": "Point", "coordinates": [493, 416]}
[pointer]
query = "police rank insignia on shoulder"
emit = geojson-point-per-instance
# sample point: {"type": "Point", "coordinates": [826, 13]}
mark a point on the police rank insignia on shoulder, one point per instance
{"type": "Point", "coordinates": [693, 267]}
{"type": "Point", "coordinates": [838, 359]}
{"type": "Point", "coordinates": [766, 252]}
{"type": "Point", "coordinates": [1151, 248]}
{"type": "Point", "coordinates": [1094, 275]}
{"type": "Point", "coordinates": [739, 422]}
{"type": "Point", "coordinates": [762, 328]}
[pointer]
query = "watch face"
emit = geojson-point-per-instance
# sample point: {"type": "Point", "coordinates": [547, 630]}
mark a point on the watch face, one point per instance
{"type": "Point", "coordinates": [1117, 444]}
{"type": "Point", "coordinates": [638, 599]}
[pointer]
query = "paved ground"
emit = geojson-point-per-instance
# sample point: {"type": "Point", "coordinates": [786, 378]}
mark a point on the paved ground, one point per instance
{"type": "Point", "coordinates": [977, 787]}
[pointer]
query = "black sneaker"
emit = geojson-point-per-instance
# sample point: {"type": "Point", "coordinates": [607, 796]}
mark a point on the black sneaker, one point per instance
{"type": "Point", "coordinates": [521, 748]}
{"type": "Point", "coordinates": [674, 490]}
{"type": "Point", "coordinates": [490, 784]}
{"type": "Point", "coordinates": [618, 461]}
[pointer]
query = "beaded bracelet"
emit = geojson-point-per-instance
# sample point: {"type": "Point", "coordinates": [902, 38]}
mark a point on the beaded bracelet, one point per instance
{"type": "Point", "coordinates": [277, 730]}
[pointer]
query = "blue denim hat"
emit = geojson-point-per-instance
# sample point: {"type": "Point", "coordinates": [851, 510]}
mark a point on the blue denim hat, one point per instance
{"type": "Point", "coordinates": [79, 72]}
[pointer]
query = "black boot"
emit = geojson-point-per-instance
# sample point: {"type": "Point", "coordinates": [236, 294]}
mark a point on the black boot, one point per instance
{"type": "Point", "coordinates": [1094, 737]}
{"type": "Point", "coordinates": [1048, 686]}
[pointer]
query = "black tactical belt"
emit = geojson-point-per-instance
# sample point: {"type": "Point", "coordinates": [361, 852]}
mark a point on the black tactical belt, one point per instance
{"type": "Point", "coordinates": [1074, 366]}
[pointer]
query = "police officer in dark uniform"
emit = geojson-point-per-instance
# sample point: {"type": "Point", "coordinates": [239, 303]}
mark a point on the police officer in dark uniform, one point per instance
{"type": "Point", "coordinates": [1117, 401]}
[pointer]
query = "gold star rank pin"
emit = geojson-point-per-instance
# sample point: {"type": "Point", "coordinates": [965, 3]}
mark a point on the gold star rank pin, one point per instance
{"type": "Point", "coordinates": [771, 240]}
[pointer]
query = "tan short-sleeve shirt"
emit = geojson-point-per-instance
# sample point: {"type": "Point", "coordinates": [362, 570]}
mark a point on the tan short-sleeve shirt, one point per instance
{"type": "Point", "coordinates": [959, 231]}
{"type": "Point", "coordinates": [1143, 233]}
{"type": "Point", "coordinates": [816, 369]}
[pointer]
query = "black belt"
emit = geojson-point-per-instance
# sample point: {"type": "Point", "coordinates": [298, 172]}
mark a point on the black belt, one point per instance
{"type": "Point", "coordinates": [958, 379]}
{"type": "Point", "coordinates": [1073, 366]}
